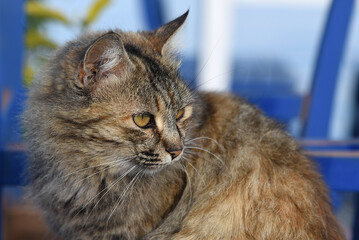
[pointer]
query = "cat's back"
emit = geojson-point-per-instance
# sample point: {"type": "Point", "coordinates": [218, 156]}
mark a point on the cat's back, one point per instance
{"type": "Point", "coordinates": [253, 174]}
{"type": "Point", "coordinates": [240, 126]}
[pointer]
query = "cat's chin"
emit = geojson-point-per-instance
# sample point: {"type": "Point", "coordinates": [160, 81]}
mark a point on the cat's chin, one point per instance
{"type": "Point", "coordinates": [134, 167]}
{"type": "Point", "coordinates": [174, 164]}
{"type": "Point", "coordinates": [153, 171]}
{"type": "Point", "coordinates": [150, 169]}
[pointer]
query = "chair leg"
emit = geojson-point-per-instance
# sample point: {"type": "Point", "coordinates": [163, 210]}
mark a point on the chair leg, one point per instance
{"type": "Point", "coordinates": [356, 218]}
{"type": "Point", "coordinates": [1, 215]}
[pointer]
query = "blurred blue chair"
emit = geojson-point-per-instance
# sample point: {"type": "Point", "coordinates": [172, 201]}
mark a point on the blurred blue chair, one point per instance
{"type": "Point", "coordinates": [12, 26]}
{"type": "Point", "coordinates": [338, 160]}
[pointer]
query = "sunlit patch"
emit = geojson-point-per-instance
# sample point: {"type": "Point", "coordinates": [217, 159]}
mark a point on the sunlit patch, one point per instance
{"type": "Point", "coordinates": [167, 158]}
{"type": "Point", "coordinates": [187, 112]}
{"type": "Point", "coordinates": [159, 123]}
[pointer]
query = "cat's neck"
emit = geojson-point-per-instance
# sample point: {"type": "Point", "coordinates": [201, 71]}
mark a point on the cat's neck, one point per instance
{"type": "Point", "coordinates": [149, 199]}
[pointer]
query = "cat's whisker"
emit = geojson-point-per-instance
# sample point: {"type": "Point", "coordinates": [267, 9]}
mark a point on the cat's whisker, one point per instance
{"type": "Point", "coordinates": [102, 170]}
{"type": "Point", "coordinates": [213, 78]}
{"type": "Point", "coordinates": [205, 150]}
{"type": "Point", "coordinates": [200, 138]}
{"type": "Point", "coordinates": [98, 165]}
{"type": "Point", "coordinates": [153, 136]}
{"type": "Point", "coordinates": [194, 153]}
{"type": "Point", "coordinates": [196, 88]}
{"type": "Point", "coordinates": [109, 187]}
{"type": "Point", "coordinates": [207, 60]}
{"type": "Point", "coordinates": [149, 188]}
{"type": "Point", "coordinates": [194, 168]}
{"type": "Point", "coordinates": [123, 194]}
{"type": "Point", "coordinates": [189, 182]}
{"type": "Point", "coordinates": [118, 202]}
{"type": "Point", "coordinates": [133, 186]}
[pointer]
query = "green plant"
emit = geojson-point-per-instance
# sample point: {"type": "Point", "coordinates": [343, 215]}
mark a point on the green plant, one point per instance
{"type": "Point", "coordinates": [38, 44]}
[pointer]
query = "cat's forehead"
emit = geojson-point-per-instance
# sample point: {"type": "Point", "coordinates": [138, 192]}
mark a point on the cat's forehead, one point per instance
{"type": "Point", "coordinates": [154, 83]}
{"type": "Point", "coordinates": [164, 95]}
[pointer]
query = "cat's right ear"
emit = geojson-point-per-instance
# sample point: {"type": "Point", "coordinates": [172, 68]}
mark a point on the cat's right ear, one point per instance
{"type": "Point", "coordinates": [105, 56]}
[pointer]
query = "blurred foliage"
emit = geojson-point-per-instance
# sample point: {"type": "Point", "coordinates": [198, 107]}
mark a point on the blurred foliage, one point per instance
{"type": "Point", "coordinates": [35, 39]}
{"type": "Point", "coordinates": [38, 10]}
{"type": "Point", "coordinates": [37, 43]}
{"type": "Point", "coordinates": [94, 11]}
{"type": "Point", "coordinates": [28, 74]}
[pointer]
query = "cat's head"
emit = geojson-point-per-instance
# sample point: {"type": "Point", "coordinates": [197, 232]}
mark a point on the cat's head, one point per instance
{"type": "Point", "coordinates": [117, 98]}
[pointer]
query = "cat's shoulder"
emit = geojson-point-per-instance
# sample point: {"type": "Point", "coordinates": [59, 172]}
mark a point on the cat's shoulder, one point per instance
{"type": "Point", "coordinates": [233, 115]}
{"type": "Point", "coordinates": [231, 105]}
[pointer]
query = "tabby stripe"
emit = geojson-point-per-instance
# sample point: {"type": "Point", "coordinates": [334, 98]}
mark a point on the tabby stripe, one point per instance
{"type": "Point", "coordinates": [153, 65]}
{"type": "Point", "coordinates": [101, 188]}
{"type": "Point", "coordinates": [83, 123]}
{"type": "Point", "coordinates": [160, 90]}
{"type": "Point", "coordinates": [171, 94]}
{"type": "Point", "coordinates": [68, 204]}
{"type": "Point", "coordinates": [165, 90]}
{"type": "Point", "coordinates": [118, 237]}
{"type": "Point", "coordinates": [72, 122]}
{"type": "Point", "coordinates": [157, 102]}
{"type": "Point", "coordinates": [177, 198]}
{"type": "Point", "coordinates": [106, 140]}
{"type": "Point", "coordinates": [91, 138]}
{"type": "Point", "coordinates": [130, 131]}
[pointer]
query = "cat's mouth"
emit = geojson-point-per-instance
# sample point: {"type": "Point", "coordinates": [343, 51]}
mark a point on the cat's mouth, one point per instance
{"type": "Point", "coordinates": [157, 164]}
{"type": "Point", "coordinates": [152, 167]}
{"type": "Point", "coordinates": [154, 161]}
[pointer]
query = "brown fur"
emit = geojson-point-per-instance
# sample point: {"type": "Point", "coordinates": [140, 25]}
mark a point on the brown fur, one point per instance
{"type": "Point", "coordinates": [97, 175]}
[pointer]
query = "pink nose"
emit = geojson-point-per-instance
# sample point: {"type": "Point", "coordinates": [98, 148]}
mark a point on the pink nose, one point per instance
{"type": "Point", "coordinates": [175, 152]}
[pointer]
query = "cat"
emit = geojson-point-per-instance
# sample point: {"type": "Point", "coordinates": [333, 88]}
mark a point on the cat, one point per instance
{"type": "Point", "coordinates": [120, 147]}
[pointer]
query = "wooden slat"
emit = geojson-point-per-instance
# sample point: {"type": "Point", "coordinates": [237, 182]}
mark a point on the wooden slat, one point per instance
{"type": "Point", "coordinates": [332, 154]}
{"type": "Point", "coordinates": [324, 142]}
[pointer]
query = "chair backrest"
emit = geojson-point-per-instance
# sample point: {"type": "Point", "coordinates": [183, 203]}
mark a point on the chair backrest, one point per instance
{"type": "Point", "coordinates": [327, 68]}
{"type": "Point", "coordinates": [11, 50]}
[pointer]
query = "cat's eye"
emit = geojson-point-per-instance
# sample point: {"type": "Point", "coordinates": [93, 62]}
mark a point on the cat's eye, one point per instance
{"type": "Point", "coordinates": [142, 119]}
{"type": "Point", "coordinates": [180, 114]}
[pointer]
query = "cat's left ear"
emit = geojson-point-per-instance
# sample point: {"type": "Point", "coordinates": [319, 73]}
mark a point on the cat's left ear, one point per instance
{"type": "Point", "coordinates": [105, 56]}
{"type": "Point", "coordinates": [161, 35]}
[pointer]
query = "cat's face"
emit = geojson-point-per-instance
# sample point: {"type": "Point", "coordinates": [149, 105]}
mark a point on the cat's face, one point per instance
{"type": "Point", "coordinates": [139, 109]}
{"type": "Point", "coordinates": [156, 123]}
{"type": "Point", "coordinates": [154, 109]}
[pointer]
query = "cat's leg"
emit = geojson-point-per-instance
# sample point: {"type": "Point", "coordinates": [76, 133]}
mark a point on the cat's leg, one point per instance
{"type": "Point", "coordinates": [172, 223]}
{"type": "Point", "coordinates": [262, 205]}
{"type": "Point", "coordinates": [213, 215]}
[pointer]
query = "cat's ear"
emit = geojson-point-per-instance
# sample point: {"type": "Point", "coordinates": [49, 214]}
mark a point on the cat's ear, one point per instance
{"type": "Point", "coordinates": [161, 35]}
{"type": "Point", "coordinates": [105, 56]}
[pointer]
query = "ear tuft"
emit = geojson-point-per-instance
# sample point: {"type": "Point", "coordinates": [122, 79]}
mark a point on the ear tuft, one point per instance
{"type": "Point", "coordinates": [161, 35]}
{"type": "Point", "coordinates": [101, 58]}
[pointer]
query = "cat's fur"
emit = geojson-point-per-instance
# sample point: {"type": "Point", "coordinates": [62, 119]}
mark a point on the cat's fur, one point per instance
{"type": "Point", "coordinates": [97, 175]}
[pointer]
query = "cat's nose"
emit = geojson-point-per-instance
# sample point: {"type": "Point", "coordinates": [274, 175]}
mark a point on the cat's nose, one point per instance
{"type": "Point", "coordinates": [175, 152]}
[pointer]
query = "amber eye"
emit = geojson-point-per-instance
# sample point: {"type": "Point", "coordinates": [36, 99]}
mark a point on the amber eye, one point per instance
{"type": "Point", "coordinates": [142, 119]}
{"type": "Point", "coordinates": [180, 114]}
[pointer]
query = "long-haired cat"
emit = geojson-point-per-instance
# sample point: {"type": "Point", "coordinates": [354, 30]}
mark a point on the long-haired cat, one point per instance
{"type": "Point", "coordinates": [121, 148]}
